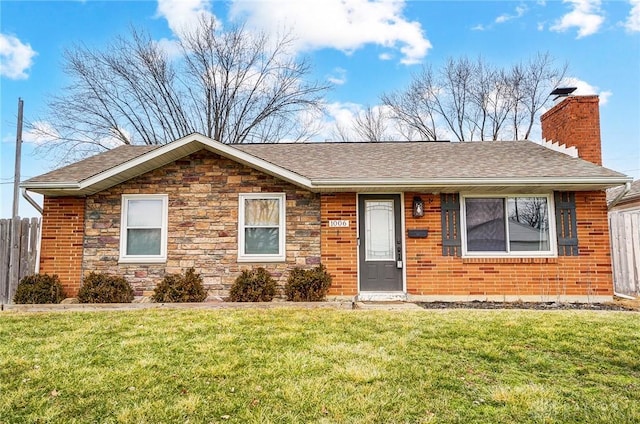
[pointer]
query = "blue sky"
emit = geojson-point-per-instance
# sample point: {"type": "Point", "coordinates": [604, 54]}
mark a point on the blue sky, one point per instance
{"type": "Point", "coordinates": [372, 49]}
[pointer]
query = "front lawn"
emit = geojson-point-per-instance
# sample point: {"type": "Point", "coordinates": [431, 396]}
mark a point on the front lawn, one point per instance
{"type": "Point", "coordinates": [320, 365]}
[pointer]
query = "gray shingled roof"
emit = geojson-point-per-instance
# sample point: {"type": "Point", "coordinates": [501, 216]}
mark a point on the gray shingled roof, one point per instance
{"type": "Point", "coordinates": [93, 165]}
{"type": "Point", "coordinates": [327, 166]}
{"type": "Point", "coordinates": [424, 160]}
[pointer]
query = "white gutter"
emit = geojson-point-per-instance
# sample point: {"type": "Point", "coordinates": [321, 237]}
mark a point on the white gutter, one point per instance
{"type": "Point", "coordinates": [468, 181]}
{"type": "Point", "coordinates": [627, 187]}
{"type": "Point", "coordinates": [73, 188]}
{"type": "Point", "coordinates": [32, 202]}
{"type": "Point", "coordinates": [48, 185]}
{"type": "Point", "coordinates": [37, 207]}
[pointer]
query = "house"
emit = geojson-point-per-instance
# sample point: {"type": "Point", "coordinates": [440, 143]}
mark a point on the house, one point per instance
{"type": "Point", "coordinates": [503, 220]}
{"type": "Point", "coordinates": [624, 227]}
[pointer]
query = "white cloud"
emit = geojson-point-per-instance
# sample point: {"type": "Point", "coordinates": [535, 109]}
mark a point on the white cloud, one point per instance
{"type": "Point", "coordinates": [385, 56]}
{"type": "Point", "coordinates": [170, 47]}
{"type": "Point", "coordinates": [346, 25]}
{"type": "Point", "coordinates": [520, 11]}
{"type": "Point", "coordinates": [633, 21]}
{"type": "Point", "coordinates": [342, 116]}
{"type": "Point", "coordinates": [112, 141]}
{"type": "Point", "coordinates": [181, 14]}
{"type": "Point", "coordinates": [16, 57]}
{"type": "Point", "coordinates": [584, 89]}
{"type": "Point", "coordinates": [478, 27]}
{"type": "Point", "coordinates": [604, 96]}
{"type": "Point", "coordinates": [40, 132]}
{"type": "Point", "coordinates": [338, 77]}
{"type": "Point", "coordinates": [585, 15]}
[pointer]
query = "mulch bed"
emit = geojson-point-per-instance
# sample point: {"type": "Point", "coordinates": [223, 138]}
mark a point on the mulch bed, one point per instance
{"type": "Point", "coordinates": [527, 305]}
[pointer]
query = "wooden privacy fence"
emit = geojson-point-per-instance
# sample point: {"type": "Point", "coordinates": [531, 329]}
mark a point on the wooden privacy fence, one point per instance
{"type": "Point", "coordinates": [625, 251]}
{"type": "Point", "coordinates": [18, 253]}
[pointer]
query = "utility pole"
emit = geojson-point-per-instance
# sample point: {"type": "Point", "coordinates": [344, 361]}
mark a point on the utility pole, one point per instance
{"type": "Point", "coordinates": [16, 175]}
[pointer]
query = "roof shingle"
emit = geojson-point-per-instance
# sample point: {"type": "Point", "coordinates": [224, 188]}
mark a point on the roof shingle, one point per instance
{"type": "Point", "coordinates": [344, 163]}
{"type": "Point", "coordinates": [92, 165]}
{"type": "Point", "coordinates": [424, 160]}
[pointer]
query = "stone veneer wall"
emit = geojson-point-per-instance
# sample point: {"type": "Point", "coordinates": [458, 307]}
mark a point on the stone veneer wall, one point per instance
{"type": "Point", "coordinates": [203, 223]}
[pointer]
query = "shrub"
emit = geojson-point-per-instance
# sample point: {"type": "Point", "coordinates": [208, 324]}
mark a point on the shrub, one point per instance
{"type": "Point", "coordinates": [256, 285]}
{"type": "Point", "coordinates": [105, 288]}
{"type": "Point", "coordinates": [39, 288]}
{"type": "Point", "coordinates": [308, 285]}
{"type": "Point", "coordinates": [180, 288]}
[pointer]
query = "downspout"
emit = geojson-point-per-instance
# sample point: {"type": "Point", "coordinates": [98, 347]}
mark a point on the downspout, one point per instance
{"type": "Point", "coordinates": [627, 187]}
{"type": "Point", "coordinates": [32, 202]}
{"type": "Point", "coordinates": [37, 207]}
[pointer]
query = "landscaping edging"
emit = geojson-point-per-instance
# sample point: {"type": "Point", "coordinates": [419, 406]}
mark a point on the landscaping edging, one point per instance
{"type": "Point", "coordinates": [342, 304]}
{"type": "Point", "coordinates": [199, 305]}
{"type": "Point", "coordinates": [542, 306]}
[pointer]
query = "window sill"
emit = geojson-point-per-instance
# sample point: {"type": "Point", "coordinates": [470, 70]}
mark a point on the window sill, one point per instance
{"type": "Point", "coordinates": [260, 259]}
{"type": "Point", "coordinates": [142, 260]}
{"type": "Point", "coordinates": [510, 260]}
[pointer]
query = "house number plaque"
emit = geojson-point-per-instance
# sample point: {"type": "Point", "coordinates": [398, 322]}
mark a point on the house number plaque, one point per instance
{"type": "Point", "coordinates": [338, 223]}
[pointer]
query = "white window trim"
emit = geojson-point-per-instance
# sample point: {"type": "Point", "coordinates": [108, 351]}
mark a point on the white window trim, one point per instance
{"type": "Point", "coordinates": [281, 256]}
{"type": "Point", "coordinates": [162, 257]}
{"type": "Point", "coordinates": [553, 242]}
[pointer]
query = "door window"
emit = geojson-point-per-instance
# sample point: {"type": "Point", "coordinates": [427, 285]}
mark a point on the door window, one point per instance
{"type": "Point", "coordinates": [380, 230]}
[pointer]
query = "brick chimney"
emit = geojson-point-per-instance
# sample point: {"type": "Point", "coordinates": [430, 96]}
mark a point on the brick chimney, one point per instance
{"type": "Point", "coordinates": [575, 121]}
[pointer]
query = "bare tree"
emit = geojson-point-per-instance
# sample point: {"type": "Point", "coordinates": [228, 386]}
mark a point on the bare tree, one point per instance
{"type": "Point", "coordinates": [530, 211]}
{"type": "Point", "coordinates": [371, 125]}
{"type": "Point", "coordinates": [368, 124]}
{"type": "Point", "coordinates": [342, 133]}
{"type": "Point", "coordinates": [234, 86]}
{"type": "Point", "coordinates": [541, 77]}
{"type": "Point", "coordinates": [415, 108]}
{"type": "Point", "coordinates": [475, 101]}
{"type": "Point", "coordinates": [489, 99]}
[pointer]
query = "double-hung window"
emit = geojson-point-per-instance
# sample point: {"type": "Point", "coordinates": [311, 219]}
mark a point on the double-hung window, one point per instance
{"type": "Point", "coordinates": [261, 227]}
{"type": "Point", "coordinates": [143, 231]}
{"type": "Point", "coordinates": [508, 226]}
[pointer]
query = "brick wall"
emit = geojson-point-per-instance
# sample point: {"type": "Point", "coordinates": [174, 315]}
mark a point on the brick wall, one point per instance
{"type": "Point", "coordinates": [203, 227]}
{"type": "Point", "coordinates": [575, 121]}
{"type": "Point", "coordinates": [430, 273]}
{"type": "Point", "coordinates": [61, 242]}
{"type": "Point", "coordinates": [340, 245]}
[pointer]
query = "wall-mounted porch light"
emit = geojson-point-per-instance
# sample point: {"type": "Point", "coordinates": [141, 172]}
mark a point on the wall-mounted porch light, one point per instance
{"type": "Point", "coordinates": [418, 207]}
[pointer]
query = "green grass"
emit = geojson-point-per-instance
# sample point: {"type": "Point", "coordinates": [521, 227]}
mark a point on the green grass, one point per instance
{"type": "Point", "coordinates": [294, 365]}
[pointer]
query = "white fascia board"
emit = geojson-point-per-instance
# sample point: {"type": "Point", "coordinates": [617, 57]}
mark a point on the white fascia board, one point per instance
{"type": "Point", "coordinates": [547, 181]}
{"type": "Point", "coordinates": [140, 160]}
{"type": "Point", "coordinates": [45, 185]}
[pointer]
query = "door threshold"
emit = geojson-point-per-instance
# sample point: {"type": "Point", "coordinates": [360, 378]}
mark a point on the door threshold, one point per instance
{"type": "Point", "coordinates": [381, 297]}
